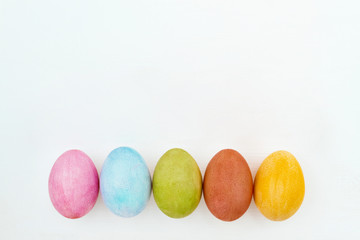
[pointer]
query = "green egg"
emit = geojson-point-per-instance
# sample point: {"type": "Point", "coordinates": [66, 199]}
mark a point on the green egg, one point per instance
{"type": "Point", "coordinates": [177, 183]}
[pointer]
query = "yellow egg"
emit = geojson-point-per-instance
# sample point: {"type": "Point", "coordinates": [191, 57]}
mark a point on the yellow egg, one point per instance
{"type": "Point", "coordinates": [279, 186]}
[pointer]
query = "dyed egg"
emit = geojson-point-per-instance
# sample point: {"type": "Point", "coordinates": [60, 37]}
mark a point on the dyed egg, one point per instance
{"type": "Point", "coordinates": [228, 185]}
{"type": "Point", "coordinates": [177, 183]}
{"type": "Point", "coordinates": [73, 184]}
{"type": "Point", "coordinates": [279, 187]}
{"type": "Point", "coordinates": [125, 182]}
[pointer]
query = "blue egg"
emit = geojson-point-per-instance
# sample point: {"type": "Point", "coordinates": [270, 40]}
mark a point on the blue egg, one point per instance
{"type": "Point", "coordinates": [125, 182]}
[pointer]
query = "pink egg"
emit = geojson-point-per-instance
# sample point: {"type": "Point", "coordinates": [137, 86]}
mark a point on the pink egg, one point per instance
{"type": "Point", "coordinates": [73, 184]}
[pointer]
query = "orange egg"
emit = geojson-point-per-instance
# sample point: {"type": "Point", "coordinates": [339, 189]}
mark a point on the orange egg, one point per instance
{"type": "Point", "coordinates": [228, 185]}
{"type": "Point", "coordinates": [279, 187]}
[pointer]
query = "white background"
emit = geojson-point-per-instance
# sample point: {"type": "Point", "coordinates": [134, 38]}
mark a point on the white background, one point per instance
{"type": "Point", "coordinates": [253, 75]}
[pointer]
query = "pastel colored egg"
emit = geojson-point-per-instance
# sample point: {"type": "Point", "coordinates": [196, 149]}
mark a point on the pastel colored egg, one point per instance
{"type": "Point", "coordinates": [228, 185]}
{"type": "Point", "coordinates": [125, 182]}
{"type": "Point", "coordinates": [279, 186]}
{"type": "Point", "coordinates": [73, 184]}
{"type": "Point", "coordinates": [177, 183]}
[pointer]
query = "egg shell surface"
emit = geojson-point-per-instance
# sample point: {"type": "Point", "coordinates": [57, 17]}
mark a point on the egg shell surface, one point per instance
{"type": "Point", "coordinates": [279, 186]}
{"type": "Point", "coordinates": [177, 183]}
{"type": "Point", "coordinates": [125, 182]}
{"type": "Point", "coordinates": [73, 184]}
{"type": "Point", "coordinates": [228, 185]}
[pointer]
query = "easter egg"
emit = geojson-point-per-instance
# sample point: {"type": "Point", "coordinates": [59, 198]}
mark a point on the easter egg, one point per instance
{"type": "Point", "coordinates": [73, 184]}
{"type": "Point", "coordinates": [177, 183]}
{"type": "Point", "coordinates": [228, 185]}
{"type": "Point", "coordinates": [125, 182]}
{"type": "Point", "coordinates": [279, 186]}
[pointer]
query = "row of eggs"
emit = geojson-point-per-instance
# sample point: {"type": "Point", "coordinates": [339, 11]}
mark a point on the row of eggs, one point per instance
{"type": "Point", "coordinates": [125, 184]}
